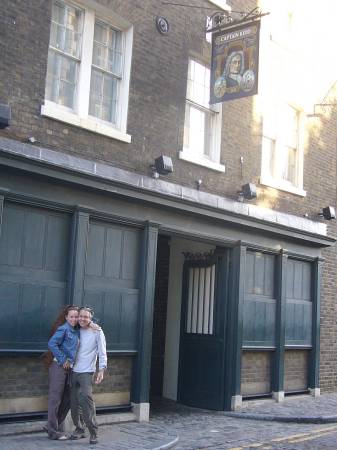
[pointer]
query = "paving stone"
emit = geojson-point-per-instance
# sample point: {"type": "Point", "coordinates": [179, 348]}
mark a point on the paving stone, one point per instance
{"type": "Point", "coordinates": [199, 429]}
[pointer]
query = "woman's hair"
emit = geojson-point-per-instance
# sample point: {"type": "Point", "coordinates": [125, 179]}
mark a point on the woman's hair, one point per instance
{"type": "Point", "coordinates": [48, 356]}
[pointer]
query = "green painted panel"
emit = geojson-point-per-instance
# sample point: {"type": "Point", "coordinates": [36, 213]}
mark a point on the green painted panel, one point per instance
{"type": "Point", "coordinates": [130, 261]}
{"type": "Point", "coordinates": [96, 245]}
{"type": "Point", "coordinates": [259, 306]}
{"type": "Point", "coordinates": [259, 322]}
{"type": "Point", "coordinates": [298, 321]}
{"type": "Point", "coordinates": [111, 320]}
{"type": "Point", "coordinates": [270, 324]}
{"type": "Point", "coordinates": [114, 238]}
{"type": "Point", "coordinates": [129, 320]}
{"type": "Point", "coordinates": [306, 284]}
{"type": "Point", "coordinates": [9, 301]}
{"type": "Point", "coordinates": [54, 299]}
{"type": "Point", "coordinates": [298, 281]}
{"type": "Point", "coordinates": [250, 270]}
{"type": "Point", "coordinates": [57, 249]}
{"type": "Point", "coordinates": [31, 305]}
{"type": "Point", "coordinates": [96, 301]}
{"type": "Point", "coordinates": [298, 324]}
{"type": "Point", "coordinates": [259, 274]}
{"type": "Point", "coordinates": [269, 276]}
{"type": "Point", "coordinates": [33, 274]}
{"type": "Point", "coordinates": [111, 284]}
{"type": "Point", "coordinates": [290, 279]}
{"type": "Point", "coordinates": [201, 373]}
{"type": "Point", "coordinates": [11, 236]}
{"type": "Point", "coordinates": [249, 325]}
{"type": "Point", "coordinates": [34, 239]}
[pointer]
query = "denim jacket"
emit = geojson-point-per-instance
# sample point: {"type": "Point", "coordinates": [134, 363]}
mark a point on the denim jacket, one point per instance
{"type": "Point", "coordinates": [64, 343]}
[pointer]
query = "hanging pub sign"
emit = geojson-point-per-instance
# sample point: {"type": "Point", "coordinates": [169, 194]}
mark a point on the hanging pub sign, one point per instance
{"type": "Point", "coordinates": [235, 63]}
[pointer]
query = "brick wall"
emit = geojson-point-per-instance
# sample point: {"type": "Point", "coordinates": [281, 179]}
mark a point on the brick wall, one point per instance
{"type": "Point", "coordinates": [296, 367]}
{"type": "Point", "coordinates": [24, 384]}
{"type": "Point", "coordinates": [255, 373]}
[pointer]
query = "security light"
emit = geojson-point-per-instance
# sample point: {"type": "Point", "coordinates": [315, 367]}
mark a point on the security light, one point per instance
{"type": "Point", "coordinates": [162, 165]}
{"type": "Point", "coordinates": [5, 115]}
{"type": "Point", "coordinates": [248, 191]}
{"type": "Point", "coordinates": [328, 213]}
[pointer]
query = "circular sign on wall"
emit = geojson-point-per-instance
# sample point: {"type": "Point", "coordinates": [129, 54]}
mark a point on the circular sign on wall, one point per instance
{"type": "Point", "coordinates": [162, 25]}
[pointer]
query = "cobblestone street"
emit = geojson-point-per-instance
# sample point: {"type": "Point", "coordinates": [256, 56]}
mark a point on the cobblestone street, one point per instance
{"type": "Point", "coordinates": [184, 428]}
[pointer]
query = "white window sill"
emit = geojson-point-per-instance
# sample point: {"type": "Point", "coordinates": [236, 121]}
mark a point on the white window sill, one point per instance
{"type": "Point", "coordinates": [186, 156]}
{"type": "Point", "coordinates": [221, 4]}
{"type": "Point", "coordinates": [282, 186]}
{"type": "Point", "coordinates": [64, 115]}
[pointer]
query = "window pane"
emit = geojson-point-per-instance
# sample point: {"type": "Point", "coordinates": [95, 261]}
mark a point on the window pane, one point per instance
{"type": "Point", "coordinates": [289, 126]}
{"type": "Point", "coordinates": [103, 96]}
{"type": "Point", "coordinates": [52, 85]}
{"type": "Point", "coordinates": [200, 130]}
{"type": "Point", "coordinates": [107, 52]}
{"type": "Point", "coordinates": [196, 130]}
{"type": "Point", "coordinates": [61, 79]}
{"type": "Point", "coordinates": [198, 84]}
{"type": "Point", "coordinates": [289, 165]}
{"type": "Point", "coordinates": [209, 133]}
{"type": "Point", "coordinates": [66, 29]}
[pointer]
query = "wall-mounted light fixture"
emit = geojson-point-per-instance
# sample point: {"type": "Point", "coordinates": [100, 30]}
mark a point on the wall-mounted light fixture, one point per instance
{"type": "Point", "coordinates": [328, 213]}
{"type": "Point", "coordinates": [248, 191]}
{"type": "Point", "coordinates": [5, 115]}
{"type": "Point", "coordinates": [162, 166]}
{"type": "Point", "coordinates": [198, 183]}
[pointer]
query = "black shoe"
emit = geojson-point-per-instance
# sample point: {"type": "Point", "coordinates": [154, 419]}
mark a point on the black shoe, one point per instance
{"type": "Point", "coordinates": [77, 434]}
{"type": "Point", "coordinates": [93, 439]}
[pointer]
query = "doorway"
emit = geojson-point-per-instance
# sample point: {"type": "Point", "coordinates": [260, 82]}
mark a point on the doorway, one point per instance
{"type": "Point", "coordinates": [202, 333]}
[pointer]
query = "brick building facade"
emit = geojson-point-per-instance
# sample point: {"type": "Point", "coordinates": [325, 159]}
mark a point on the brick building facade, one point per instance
{"type": "Point", "coordinates": [97, 93]}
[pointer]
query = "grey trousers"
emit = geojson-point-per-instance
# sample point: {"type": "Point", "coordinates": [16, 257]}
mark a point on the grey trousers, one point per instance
{"type": "Point", "coordinates": [58, 399]}
{"type": "Point", "coordinates": [82, 401]}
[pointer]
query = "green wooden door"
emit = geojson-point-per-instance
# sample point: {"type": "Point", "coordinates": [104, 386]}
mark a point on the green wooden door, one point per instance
{"type": "Point", "coordinates": [201, 356]}
{"type": "Point", "coordinates": [34, 246]}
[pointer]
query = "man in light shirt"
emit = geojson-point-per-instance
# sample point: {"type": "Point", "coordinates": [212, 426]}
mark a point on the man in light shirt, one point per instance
{"type": "Point", "coordinates": [92, 344]}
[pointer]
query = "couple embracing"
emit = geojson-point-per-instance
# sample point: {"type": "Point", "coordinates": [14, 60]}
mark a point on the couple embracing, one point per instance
{"type": "Point", "coordinates": [74, 346]}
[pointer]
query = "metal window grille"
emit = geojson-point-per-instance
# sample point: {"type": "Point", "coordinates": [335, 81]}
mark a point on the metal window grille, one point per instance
{"type": "Point", "coordinates": [200, 305]}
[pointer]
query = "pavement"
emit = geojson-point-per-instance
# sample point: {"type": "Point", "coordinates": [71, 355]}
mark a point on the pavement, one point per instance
{"type": "Point", "coordinates": [297, 409]}
{"type": "Point", "coordinates": [181, 427]}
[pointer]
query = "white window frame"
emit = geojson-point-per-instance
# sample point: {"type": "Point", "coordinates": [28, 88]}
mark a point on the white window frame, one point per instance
{"type": "Point", "coordinates": [79, 116]}
{"type": "Point", "coordinates": [187, 153]}
{"type": "Point", "coordinates": [222, 4]}
{"type": "Point", "coordinates": [273, 180]}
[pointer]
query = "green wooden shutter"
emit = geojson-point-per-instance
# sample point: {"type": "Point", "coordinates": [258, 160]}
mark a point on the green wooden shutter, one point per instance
{"type": "Point", "coordinates": [111, 284]}
{"type": "Point", "coordinates": [259, 300]}
{"type": "Point", "coordinates": [298, 303]}
{"type": "Point", "coordinates": [34, 246]}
